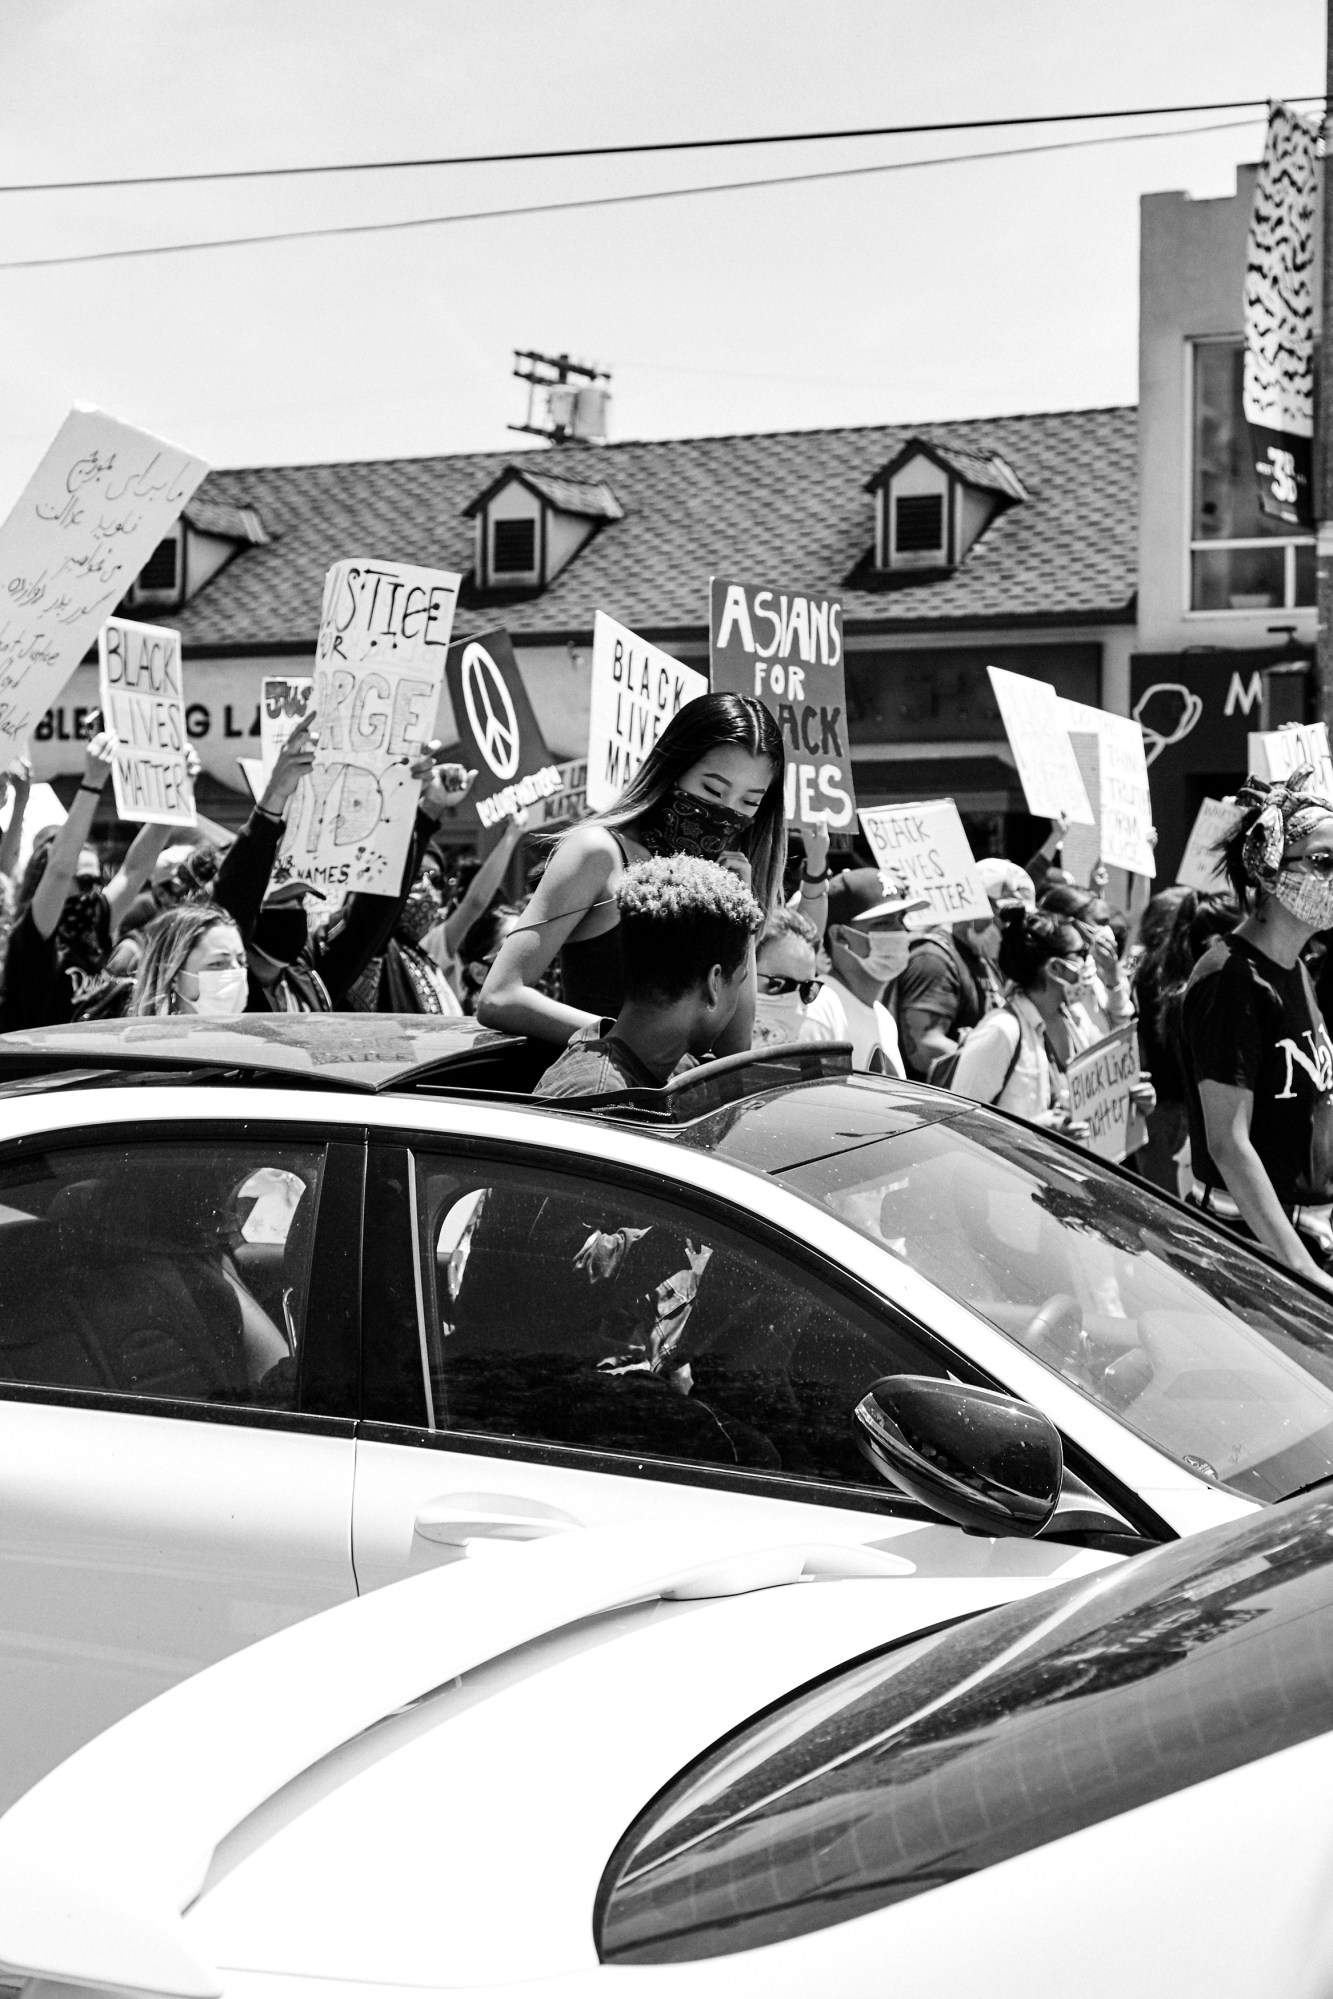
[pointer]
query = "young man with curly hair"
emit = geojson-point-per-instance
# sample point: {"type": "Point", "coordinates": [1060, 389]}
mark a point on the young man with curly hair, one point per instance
{"type": "Point", "coordinates": [686, 928]}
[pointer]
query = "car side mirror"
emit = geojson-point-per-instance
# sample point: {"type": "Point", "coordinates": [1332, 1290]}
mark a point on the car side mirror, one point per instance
{"type": "Point", "coordinates": [982, 1459]}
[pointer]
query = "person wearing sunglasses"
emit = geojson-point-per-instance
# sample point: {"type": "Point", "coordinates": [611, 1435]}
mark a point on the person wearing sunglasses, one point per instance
{"type": "Point", "coordinates": [786, 982]}
{"type": "Point", "coordinates": [1257, 1056]}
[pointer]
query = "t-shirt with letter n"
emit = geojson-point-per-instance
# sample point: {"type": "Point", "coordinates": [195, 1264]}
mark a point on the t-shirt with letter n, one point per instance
{"type": "Point", "coordinates": [1256, 1025]}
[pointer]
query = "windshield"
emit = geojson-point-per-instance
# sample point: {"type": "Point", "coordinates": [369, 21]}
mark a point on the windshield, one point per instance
{"type": "Point", "coordinates": [1204, 1350]}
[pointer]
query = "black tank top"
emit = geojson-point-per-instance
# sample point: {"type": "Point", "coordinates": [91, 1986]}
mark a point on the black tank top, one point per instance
{"type": "Point", "coordinates": [592, 976]}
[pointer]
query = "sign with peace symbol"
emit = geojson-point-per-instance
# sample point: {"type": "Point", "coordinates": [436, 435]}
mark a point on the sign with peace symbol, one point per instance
{"type": "Point", "coordinates": [499, 734]}
{"type": "Point", "coordinates": [490, 711]}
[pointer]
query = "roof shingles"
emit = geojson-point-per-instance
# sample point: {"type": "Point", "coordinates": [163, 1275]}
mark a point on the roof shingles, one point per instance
{"type": "Point", "coordinates": [786, 508]}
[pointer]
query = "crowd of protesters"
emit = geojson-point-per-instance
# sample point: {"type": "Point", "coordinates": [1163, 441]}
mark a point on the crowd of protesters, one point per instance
{"type": "Point", "coordinates": [685, 923]}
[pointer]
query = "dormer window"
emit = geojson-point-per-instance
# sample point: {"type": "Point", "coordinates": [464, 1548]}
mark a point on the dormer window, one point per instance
{"type": "Point", "coordinates": [530, 525]}
{"type": "Point", "coordinates": [933, 501]}
{"type": "Point", "coordinates": [158, 583]}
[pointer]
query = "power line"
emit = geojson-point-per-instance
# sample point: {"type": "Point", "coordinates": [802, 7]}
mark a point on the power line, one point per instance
{"type": "Point", "coordinates": [641, 146]}
{"type": "Point", "coordinates": [604, 200]}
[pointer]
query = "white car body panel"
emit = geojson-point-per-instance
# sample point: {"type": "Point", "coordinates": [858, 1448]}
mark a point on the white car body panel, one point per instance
{"type": "Point", "coordinates": [226, 1841]}
{"type": "Point", "coordinates": [135, 1547]}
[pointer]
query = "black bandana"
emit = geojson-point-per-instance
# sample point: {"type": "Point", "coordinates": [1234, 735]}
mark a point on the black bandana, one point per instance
{"type": "Point", "coordinates": [683, 824]}
{"type": "Point", "coordinates": [83, 934]}
{"type": "Point", "coordinates": [420, 913]}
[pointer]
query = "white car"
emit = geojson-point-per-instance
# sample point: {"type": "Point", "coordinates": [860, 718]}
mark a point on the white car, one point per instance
{"type": "Point", "coordinates": [668, 1762]}
{"type": "Point", "coordinates": [294, 1307]}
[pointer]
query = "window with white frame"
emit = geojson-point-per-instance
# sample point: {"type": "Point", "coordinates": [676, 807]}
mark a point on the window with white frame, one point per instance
{"type": "Point", "coordinates": [1240, 559]}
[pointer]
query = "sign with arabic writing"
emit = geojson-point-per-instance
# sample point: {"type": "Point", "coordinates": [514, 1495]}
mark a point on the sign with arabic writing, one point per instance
{"type": "Point", "coordinates": [83, 527]}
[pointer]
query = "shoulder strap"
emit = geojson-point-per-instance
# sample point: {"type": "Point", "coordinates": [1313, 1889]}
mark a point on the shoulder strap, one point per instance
{"type": "Point", "coordinates": [1013, 1059]}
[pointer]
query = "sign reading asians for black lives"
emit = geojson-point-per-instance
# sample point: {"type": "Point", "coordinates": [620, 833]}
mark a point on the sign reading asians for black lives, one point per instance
{"type": "Point", "coordinates": [499, 736]}
{"type": "Point", "coordinates": [787, 649]}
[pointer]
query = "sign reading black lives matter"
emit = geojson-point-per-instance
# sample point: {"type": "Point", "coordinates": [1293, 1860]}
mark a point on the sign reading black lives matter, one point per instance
{"type": "Point", "coordinates": [786, 648]}
{"type": "Point", "coordinates": [499, 735]}
{"type": "Point", "coordinates": [143, 705]}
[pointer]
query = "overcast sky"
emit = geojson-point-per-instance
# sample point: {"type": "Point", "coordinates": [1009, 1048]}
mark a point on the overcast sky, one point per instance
{"type": "Point", "coordinates": [962, 290]}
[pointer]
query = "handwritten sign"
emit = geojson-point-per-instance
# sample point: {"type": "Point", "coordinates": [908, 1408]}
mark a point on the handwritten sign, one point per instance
{"type": "Point", "coordinates": [1200, 868]}
{"type": "Point", "coordinates": [1047, 767]}
{"type": "Point", "coordinates": [85, 524]}
{"type": "Point", "coordinates": [379, 667]}
{"type": "Point", "coordinates": [500, 737]}
{"type": "Point", "coordinates": [1276, 753]}
{"type": "Point", "coordinates": [928, 844]}
{"type": "Point", "coordinates": [283, 702]}
{"type": "Point", "coordinates": [1119, 795]}
{"type": "Point", "coordinates": [786, 648]}
{"type": "Point", "coordinates": [636, 690]}
{"type": "Point", "coordinates": [570, 803]}
{"type": "Point", "coordinates": [143, 705]}
{"type": "Point", "coordinates": [1100, 1081]}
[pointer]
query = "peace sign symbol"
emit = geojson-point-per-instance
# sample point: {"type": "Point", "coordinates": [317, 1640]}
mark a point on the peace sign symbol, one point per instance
{"type": "Point", "coordinates": [490, 711]}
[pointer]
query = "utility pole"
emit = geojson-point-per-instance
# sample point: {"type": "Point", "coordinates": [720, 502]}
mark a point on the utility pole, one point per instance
{"type": "Point", "coordinates": [1324, 413]}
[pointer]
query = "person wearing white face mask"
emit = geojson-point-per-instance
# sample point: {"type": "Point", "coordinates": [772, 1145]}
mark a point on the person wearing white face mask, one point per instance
{"type": "Point", "coordinates": [1257, 1056]}
{"type": "Point", "coordinates": [867, 948]}
{"type": "Point", "coordinates": [193, 963]}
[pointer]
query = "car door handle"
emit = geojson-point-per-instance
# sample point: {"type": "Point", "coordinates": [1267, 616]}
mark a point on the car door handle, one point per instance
{"type": "Point", "coordinates": [454, 1518]}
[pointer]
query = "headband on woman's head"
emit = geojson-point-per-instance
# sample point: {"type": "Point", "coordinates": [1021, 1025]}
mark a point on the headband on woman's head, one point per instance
{"type": "Point", "coordinates": [1287, 812]}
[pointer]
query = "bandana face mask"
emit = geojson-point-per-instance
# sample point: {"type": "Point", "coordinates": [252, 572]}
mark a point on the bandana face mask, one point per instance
{"type": "Point", "coordinates": [1308, 897]}
{"type": "Point", "coordinates": [420, 913]}
{"type": "Point", "coordinates": [683, 824]}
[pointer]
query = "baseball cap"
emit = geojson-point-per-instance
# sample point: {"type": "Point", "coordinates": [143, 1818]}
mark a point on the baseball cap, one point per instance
{"type": "Point", "coordinates": [1005, 881]}
{"type": "Point", "coordinates": [858, 895]}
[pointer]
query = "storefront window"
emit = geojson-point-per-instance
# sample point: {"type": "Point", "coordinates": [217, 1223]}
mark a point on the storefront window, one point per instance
{"type": "Point", "coordinates": [1240, 558]}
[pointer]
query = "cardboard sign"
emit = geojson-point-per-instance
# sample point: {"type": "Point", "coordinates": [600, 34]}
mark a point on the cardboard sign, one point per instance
{"type": "Point", "coordinates": [1047, 767]}
{"type": "Point", "coordinates": [786, 648]}
{"type": "Point", "coordinates": [1199, 866]}
{"type": "Point", "coordinates": [636, 690]}
{"type": "Point", "coordinates": [928, 844]}
{"type": "Point", "coordinates": [1276, 753]}
{"type": "Point", "coordinates": [570, 804]}
{"type": "Point", "coordinates": [143, 705]}
{"type": "Point", "coordinates": [1100, 1081]}
{"type": "Point", "coordinates": [379, 666]}
{"type": "Point", "coordinates": [283, 702]}
{"type": "Point", "coordinates": [1119, 795]}
{"type": "Point", "coordinates": [499, 736]}
{"type": "Point", "coordinates": [83, 527]}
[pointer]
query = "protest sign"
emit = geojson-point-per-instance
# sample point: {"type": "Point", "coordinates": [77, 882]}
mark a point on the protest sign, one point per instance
{"type": "Point", "coordinates": [379, 666]}
{"type": "Point", "coordinates": [1100, 1080]}
{"type": "Point", "coordinates": [786, 648]}
{"type": "Point", "coordinates": [1276, 753]}
{"type": "Point", "coordinates": [927, 844]}
{"type": "Point", "coordinates": [570, 804]}
{"type": "Point", "coordinates": [1047, 767]}
{"type": "Point", "coordinates": [1118, 794]}
{"type": "Point", "coordinates": [283, 702]}
{"type": "Point", "coordinates": [143, 705]}
{"type": "Point", "coordinates": [499, 736]}
{"type": "Point", "coordinates": [636, 690]}
{"type": "Point", "coordinates": [83, 527]}
{"type": "Point", "coordinates": [1199, 867]}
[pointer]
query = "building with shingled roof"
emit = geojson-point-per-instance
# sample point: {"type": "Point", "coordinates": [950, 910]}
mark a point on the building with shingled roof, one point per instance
{"type": "Point", "coordinates": [1008, 542]}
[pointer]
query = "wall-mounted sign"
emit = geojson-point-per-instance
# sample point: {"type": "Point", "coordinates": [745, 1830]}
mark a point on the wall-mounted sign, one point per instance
{"type": "Point", "coordinates": [1278, 392]}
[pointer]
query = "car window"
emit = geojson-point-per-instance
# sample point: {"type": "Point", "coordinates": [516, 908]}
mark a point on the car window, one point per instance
{"type": "Point", "coordinates": [1205, 1350]}
{"type": "Point", "coordinates": [176, 1270]}
{"type": "Point", "coordinates": [566, 1311]}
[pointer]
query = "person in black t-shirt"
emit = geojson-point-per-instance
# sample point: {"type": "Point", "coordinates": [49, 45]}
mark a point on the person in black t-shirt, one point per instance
{"type": "Point", "coordinates": [1258, 1059]}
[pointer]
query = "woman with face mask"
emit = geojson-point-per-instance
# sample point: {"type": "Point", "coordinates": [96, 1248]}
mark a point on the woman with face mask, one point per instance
{"type": "Point", "coordinates": [1015, 1057]}
{"type": "Point", "coordinates": [1257, 1056]}
{"type": "Point", "coordinates": [712, 786]}
{"type": "Point", "coordinates": [193, 963]}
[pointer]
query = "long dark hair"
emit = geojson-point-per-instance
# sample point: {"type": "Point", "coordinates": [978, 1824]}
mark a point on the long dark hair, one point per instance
{"type": "Point", "coordinates": [1199, 919]}
{"type": "Point", "coordinates": [700, 726]}
{"type": "Point", "coordinates": [1030, 938]}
